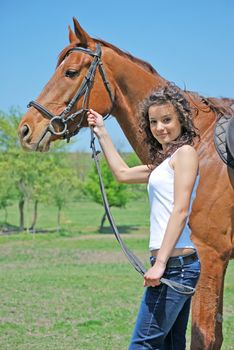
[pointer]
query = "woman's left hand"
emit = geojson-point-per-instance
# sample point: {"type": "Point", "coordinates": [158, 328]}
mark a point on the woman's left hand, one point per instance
{"type": "Point", "coordinates": [153, 275]}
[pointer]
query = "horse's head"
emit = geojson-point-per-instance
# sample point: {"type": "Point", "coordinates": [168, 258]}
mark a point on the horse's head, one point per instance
{"type": "Point", "coordinates": [78, 83]}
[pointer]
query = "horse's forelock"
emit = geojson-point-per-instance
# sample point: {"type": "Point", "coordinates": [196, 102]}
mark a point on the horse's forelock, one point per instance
{"type": "Point", "coordinates": [64, 52]}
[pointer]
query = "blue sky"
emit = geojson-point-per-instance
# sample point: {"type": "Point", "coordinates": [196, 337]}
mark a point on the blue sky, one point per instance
{"type": "Point", "coordinates": [188, 42]}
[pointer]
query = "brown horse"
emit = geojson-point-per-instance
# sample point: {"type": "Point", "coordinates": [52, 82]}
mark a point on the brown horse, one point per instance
{"type": "Point", "coordinates": [119, 90]}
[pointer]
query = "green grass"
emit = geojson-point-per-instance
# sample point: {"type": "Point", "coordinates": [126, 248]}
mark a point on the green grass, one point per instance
{"type": "Point", "coordinates": [54, 298]}
{"type": "Point", "coordinates": [77, 291]}
{"type": "Point", "coordinates": [83, 216]}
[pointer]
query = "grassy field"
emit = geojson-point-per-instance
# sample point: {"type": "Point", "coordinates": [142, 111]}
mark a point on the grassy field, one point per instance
{"type": "Point", "coordinates": [75, 290]}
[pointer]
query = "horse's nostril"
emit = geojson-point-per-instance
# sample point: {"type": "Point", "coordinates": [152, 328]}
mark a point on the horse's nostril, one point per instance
{"type": "Point", "coordinates": [24, 131]}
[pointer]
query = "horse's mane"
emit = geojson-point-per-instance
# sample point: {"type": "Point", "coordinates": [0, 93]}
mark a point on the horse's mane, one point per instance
{"type": "Point", "coordinates": [142, 63]}
{"type": "Point", "coordinates": [220, 106]}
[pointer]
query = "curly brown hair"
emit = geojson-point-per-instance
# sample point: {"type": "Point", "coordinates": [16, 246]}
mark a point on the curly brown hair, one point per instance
{"type": "Point", "coordinates": [168, 94]}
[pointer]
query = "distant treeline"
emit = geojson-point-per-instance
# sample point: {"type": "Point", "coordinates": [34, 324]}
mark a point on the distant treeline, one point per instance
{"type": "Point", "coordinates": [54, 178]}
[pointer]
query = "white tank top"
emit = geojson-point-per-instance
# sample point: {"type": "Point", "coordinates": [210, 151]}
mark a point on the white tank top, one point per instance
{"type": "Point", "coordinates": [161, 197]}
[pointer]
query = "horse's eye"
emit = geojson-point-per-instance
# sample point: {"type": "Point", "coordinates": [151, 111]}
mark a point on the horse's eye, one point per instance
{"type": "Point", "coordinates": [70, 73]}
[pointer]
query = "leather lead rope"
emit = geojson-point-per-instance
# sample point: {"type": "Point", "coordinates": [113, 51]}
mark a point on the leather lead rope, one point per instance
{"type": "Point", "coordinates": [136, 263]}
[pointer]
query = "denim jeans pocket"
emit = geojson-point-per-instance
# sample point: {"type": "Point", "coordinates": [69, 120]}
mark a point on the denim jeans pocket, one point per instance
{"type": "Point", "coordinates": [190, 273]}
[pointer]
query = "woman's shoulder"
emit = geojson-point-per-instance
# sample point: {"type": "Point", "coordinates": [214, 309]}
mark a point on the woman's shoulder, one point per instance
{"type": "Point", "coordinates": [186, 150]}
{"type": "Point", "coordinates": [186, 154]}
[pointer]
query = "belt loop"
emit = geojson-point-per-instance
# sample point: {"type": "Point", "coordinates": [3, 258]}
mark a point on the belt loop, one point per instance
{"type": "Point", "coordinates": [181, 260]}
{"type": "Point", "coordinates": [152, 260]}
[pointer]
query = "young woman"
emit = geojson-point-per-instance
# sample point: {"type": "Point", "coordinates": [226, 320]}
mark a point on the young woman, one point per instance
{"type": "Point", "coordinates": [172, 178]}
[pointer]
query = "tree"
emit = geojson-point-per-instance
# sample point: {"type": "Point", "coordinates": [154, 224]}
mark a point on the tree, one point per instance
{"type": "Point", "coordinates": [63, 183]}
{"type": "Point", "coordinates": [9, 146]}
{"type": "Point", "coordinates": [117, 193]}
{"type": "Point", "coordinates": [6, 185]}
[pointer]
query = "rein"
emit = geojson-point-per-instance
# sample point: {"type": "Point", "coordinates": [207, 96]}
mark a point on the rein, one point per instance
{"type": "Point", "coordinates": [64, 118]}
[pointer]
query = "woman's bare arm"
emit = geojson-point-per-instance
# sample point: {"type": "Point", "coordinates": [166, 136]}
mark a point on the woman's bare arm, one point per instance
{"type": "Point", "coordinates": [121, 171]}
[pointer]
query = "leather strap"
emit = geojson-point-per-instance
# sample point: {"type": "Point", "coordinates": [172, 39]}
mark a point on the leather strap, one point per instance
{"type": "Point", "coordinates": [178, 261]}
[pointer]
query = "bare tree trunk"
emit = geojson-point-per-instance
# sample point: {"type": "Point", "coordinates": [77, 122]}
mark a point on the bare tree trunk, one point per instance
{"type": "Point", "coordinates": [59, 220]}
{"type": "Point", "coordinates": [6, 215]}
{"type": "Point", "coordinates": [21, 212]}
{"type": "Point", "coordinates": [34, 219]}
{"type": "Point", "coordinates": [102, 222]}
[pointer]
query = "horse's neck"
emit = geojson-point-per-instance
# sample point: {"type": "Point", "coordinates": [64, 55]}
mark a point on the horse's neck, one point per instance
{"type": "Point", "coordinates": [132, 83]}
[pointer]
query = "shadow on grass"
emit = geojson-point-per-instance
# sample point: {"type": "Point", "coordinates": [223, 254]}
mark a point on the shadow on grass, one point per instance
{"type": "Point", "coordinates": [7, 229]}
{"type": "Point", "coordinates": [121, 229]}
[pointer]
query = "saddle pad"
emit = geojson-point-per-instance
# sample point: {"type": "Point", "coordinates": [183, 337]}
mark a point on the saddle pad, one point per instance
{"type": "Point", "coordinates": [220, 140]}
{"type": "Point", "coordinates": [230, 136]}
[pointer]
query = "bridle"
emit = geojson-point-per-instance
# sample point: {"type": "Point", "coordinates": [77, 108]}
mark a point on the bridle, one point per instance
{"type": "Point", "coordinates": [65, 117]}
{"type": "Point", "coordinates": [84, 90]}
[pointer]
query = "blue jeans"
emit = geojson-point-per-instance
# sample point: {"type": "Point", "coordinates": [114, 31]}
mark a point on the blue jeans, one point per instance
{"type": "Point", "coordinates": [163, 315]}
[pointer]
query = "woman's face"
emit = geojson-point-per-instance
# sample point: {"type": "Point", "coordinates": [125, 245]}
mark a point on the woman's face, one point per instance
{"type": "Point", "coordinates": [164, 123]}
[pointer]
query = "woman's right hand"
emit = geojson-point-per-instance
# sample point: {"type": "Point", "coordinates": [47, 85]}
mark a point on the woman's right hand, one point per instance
{"type": "Point", "coordinates": [96, 121]}
{"type": "Point", "coordinates": [153, 275]}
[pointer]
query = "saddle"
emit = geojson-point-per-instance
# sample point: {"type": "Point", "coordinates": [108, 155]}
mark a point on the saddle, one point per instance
{"type": "Point", "coordinates": [224, 139]}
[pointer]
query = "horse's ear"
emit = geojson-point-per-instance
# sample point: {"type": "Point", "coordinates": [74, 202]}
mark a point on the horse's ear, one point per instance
{"type": "Point", "coordinates": [72, 36]}
{"type": "Point", "coordinates": [81, 35]}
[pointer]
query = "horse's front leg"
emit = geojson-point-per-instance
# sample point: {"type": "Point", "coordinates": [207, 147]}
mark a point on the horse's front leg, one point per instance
{"type": "Point", "coordinates": [207, 308]}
